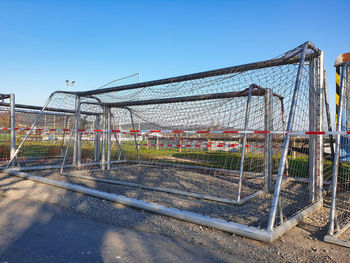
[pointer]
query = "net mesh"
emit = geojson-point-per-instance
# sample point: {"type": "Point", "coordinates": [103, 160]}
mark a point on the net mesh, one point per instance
{"type": "Point", "coordinates": [4, 136]}
{"type": "Point", "coordinates": [184, 135]}
{"type": "Point", "coordinates": [45, 143]}
{"type": "Point", "coordinates": [341, 217]}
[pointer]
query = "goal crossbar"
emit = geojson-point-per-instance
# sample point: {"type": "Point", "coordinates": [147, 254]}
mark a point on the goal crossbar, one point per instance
{"type": "Point", "coordinates": [258, 91]}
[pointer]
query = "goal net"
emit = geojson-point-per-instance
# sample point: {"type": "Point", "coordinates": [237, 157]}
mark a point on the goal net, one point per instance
{"type": "Point", "coordinates": [230, 136]}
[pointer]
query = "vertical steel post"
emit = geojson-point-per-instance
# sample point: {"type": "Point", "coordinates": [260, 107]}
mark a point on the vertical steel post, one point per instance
{"type": "Point", "coordinates": [312, 127]}
{"type": "Point", "coordinates": [66, 152]}
{"type": "Point", "coordinates": [284, 128]}
{"type": "Point", "coordinates": [77, 137]}
{"type": "Point", "coordinates": [135, 139]}
{"type": "Point", "coordinates": [66, 123]}
{"type": "Point", "coordinates": [12, 125]}
{"type": "Point", "coordinates": [97, 138]}
{"type": "Point", "coordinates": [104, 139]}
{"type": "Point", "coordinates": [286, 141]}
{"type": "Point", "coordinates": [139, 97]}
{"type": "Point", "coordinates": [319, 110]}
{"type": "Point", "coordinates": [109, 137]}
{"type": "Point", "coordinates": [337, 152]}
{"type": "Point", "coordinates": [244, 140]}
{"type": "Point", "coordinates": [119, 147]}
{"type": "Point", "coordinates": [268, 149]}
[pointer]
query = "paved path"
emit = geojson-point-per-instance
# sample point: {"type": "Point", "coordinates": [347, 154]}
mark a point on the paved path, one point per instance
{"type": "Point", "coordinates": [37, 232]}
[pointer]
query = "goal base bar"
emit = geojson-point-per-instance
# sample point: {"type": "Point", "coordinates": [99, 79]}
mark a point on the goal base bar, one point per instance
{"type": "Point", "coordinates": [336, 241]}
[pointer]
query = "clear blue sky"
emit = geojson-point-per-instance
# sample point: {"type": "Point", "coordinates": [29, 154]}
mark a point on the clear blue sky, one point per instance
{"type": "Point", "coordinates": [43, 43]}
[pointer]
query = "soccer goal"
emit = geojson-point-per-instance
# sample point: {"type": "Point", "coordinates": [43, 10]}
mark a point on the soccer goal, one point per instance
{"type": "Point", "coordinates": [239, 148]}
{"type": "Point", "coordinates": [339, 222]}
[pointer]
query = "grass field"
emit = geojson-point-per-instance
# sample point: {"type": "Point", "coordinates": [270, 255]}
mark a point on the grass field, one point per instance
{"type": "Point", "coordinates": [298, 166]}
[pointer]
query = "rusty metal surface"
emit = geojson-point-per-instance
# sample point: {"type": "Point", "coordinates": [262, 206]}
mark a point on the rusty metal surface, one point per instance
{"type": "Point", "coordinates": [341, 59]}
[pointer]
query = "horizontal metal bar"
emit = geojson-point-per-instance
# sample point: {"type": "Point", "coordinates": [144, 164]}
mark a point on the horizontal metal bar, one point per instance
{"type": "Point", "coordinates": [58, 166]}
{"type": "Point", "coordinates": [235, 94]}
{"type": "Point", "coordinates": [336, 241]}
{"type": "Point", "coordinates": [4, 108]}
{"type": "Point", "coordinates": [4, 96]}
{"type": "Point", "coordinates": [39, 108]}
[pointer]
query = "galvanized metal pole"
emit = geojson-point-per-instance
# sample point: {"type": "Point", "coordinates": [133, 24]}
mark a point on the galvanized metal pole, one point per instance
{"type": "Point", "coordinates": [104, 139]}
{"type": "Point", "coordinates": [320, 145]}
{"type": "Point", "coordinates": [286, 141]}
{"type": "Point", "coordinates": [268, 149]}
{"type": "Point", "coordinates": [77, 135]}
{"type": "Point", "coordinates": [284, 128]}
{"type": "Point", "coordinates": [66, 152]}
{"type": "Point", "coordinates": [337, 151]}
{"type": "Point", "coordinates": [119, 147]}
{"type": "Point", "coordinates": [312, 127]}
{"type": "Point", "coordinates": [109, 138]}
{"type": "Point", "coordinates": [139, 98]}
{"type": "Point", "coordinates": [135, 139]}
{"type": "Point", "coordinates": [97, 138]}
{"type": "Point", "coordinates": [244, 140]}
{"type": "Point", "coordinates": [66, 123]}
{"type": "Point", "coordinates": [12, 125]}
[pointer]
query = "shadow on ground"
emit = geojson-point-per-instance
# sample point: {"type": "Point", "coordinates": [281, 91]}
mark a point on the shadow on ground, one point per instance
{"type": "Point", "coordinates": [41, 232]}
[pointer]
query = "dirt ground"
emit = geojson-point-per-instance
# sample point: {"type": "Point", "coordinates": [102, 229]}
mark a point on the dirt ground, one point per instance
{"type": "Point", "coordinates": [304, 243]}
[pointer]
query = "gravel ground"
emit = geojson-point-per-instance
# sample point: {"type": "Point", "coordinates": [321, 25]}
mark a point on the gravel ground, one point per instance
{"type": "Point", "coordinates": [183, 180]}
{"type": "Point", "coordinates": [302, 244]}
{"type": "Point", "coordinates": [253, 213]}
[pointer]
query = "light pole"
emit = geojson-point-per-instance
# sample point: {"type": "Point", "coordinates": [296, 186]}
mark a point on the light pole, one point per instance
{"type": "Point", "coordinates": [139, 97]}
{"type": "Point", "coordinates": [70, 83]}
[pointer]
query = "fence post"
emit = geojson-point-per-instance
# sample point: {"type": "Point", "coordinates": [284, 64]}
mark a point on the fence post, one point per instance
{"type": "Point", "coordinates": [135, 139]}
{"type": "Point", "coordinates": [268, 150]}
{"type": "Point", "coordinates": [77, 136]}
{"type": "Point", "coordinates": [312, 127]}
{"type": "Point", "coordinates": [319, 111]}
{"type": "Point", "coordinates": [104, 139]}
{"type": "Point", "coordinates": [12, 125]}
{"type": "Point", "coordinates": [97, 138]}
{"type": "Point", "coordinates": [283, 160]}
{"type": "Point", "coordinates": [109, 137]}
{"type": "Point", "coordinates": [244, 140]}
{"type": "Point", "coordinates": [340, 101]}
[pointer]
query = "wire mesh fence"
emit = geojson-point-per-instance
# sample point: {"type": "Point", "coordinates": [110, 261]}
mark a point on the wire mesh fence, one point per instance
{"type": "Point", "coordinates": [4, 136]}
{"type": "Point", "coordinates": [340, 207]}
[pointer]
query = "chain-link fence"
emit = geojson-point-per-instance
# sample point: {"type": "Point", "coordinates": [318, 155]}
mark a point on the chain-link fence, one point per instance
{"type": "Point", "coordinates": [339, 223]}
